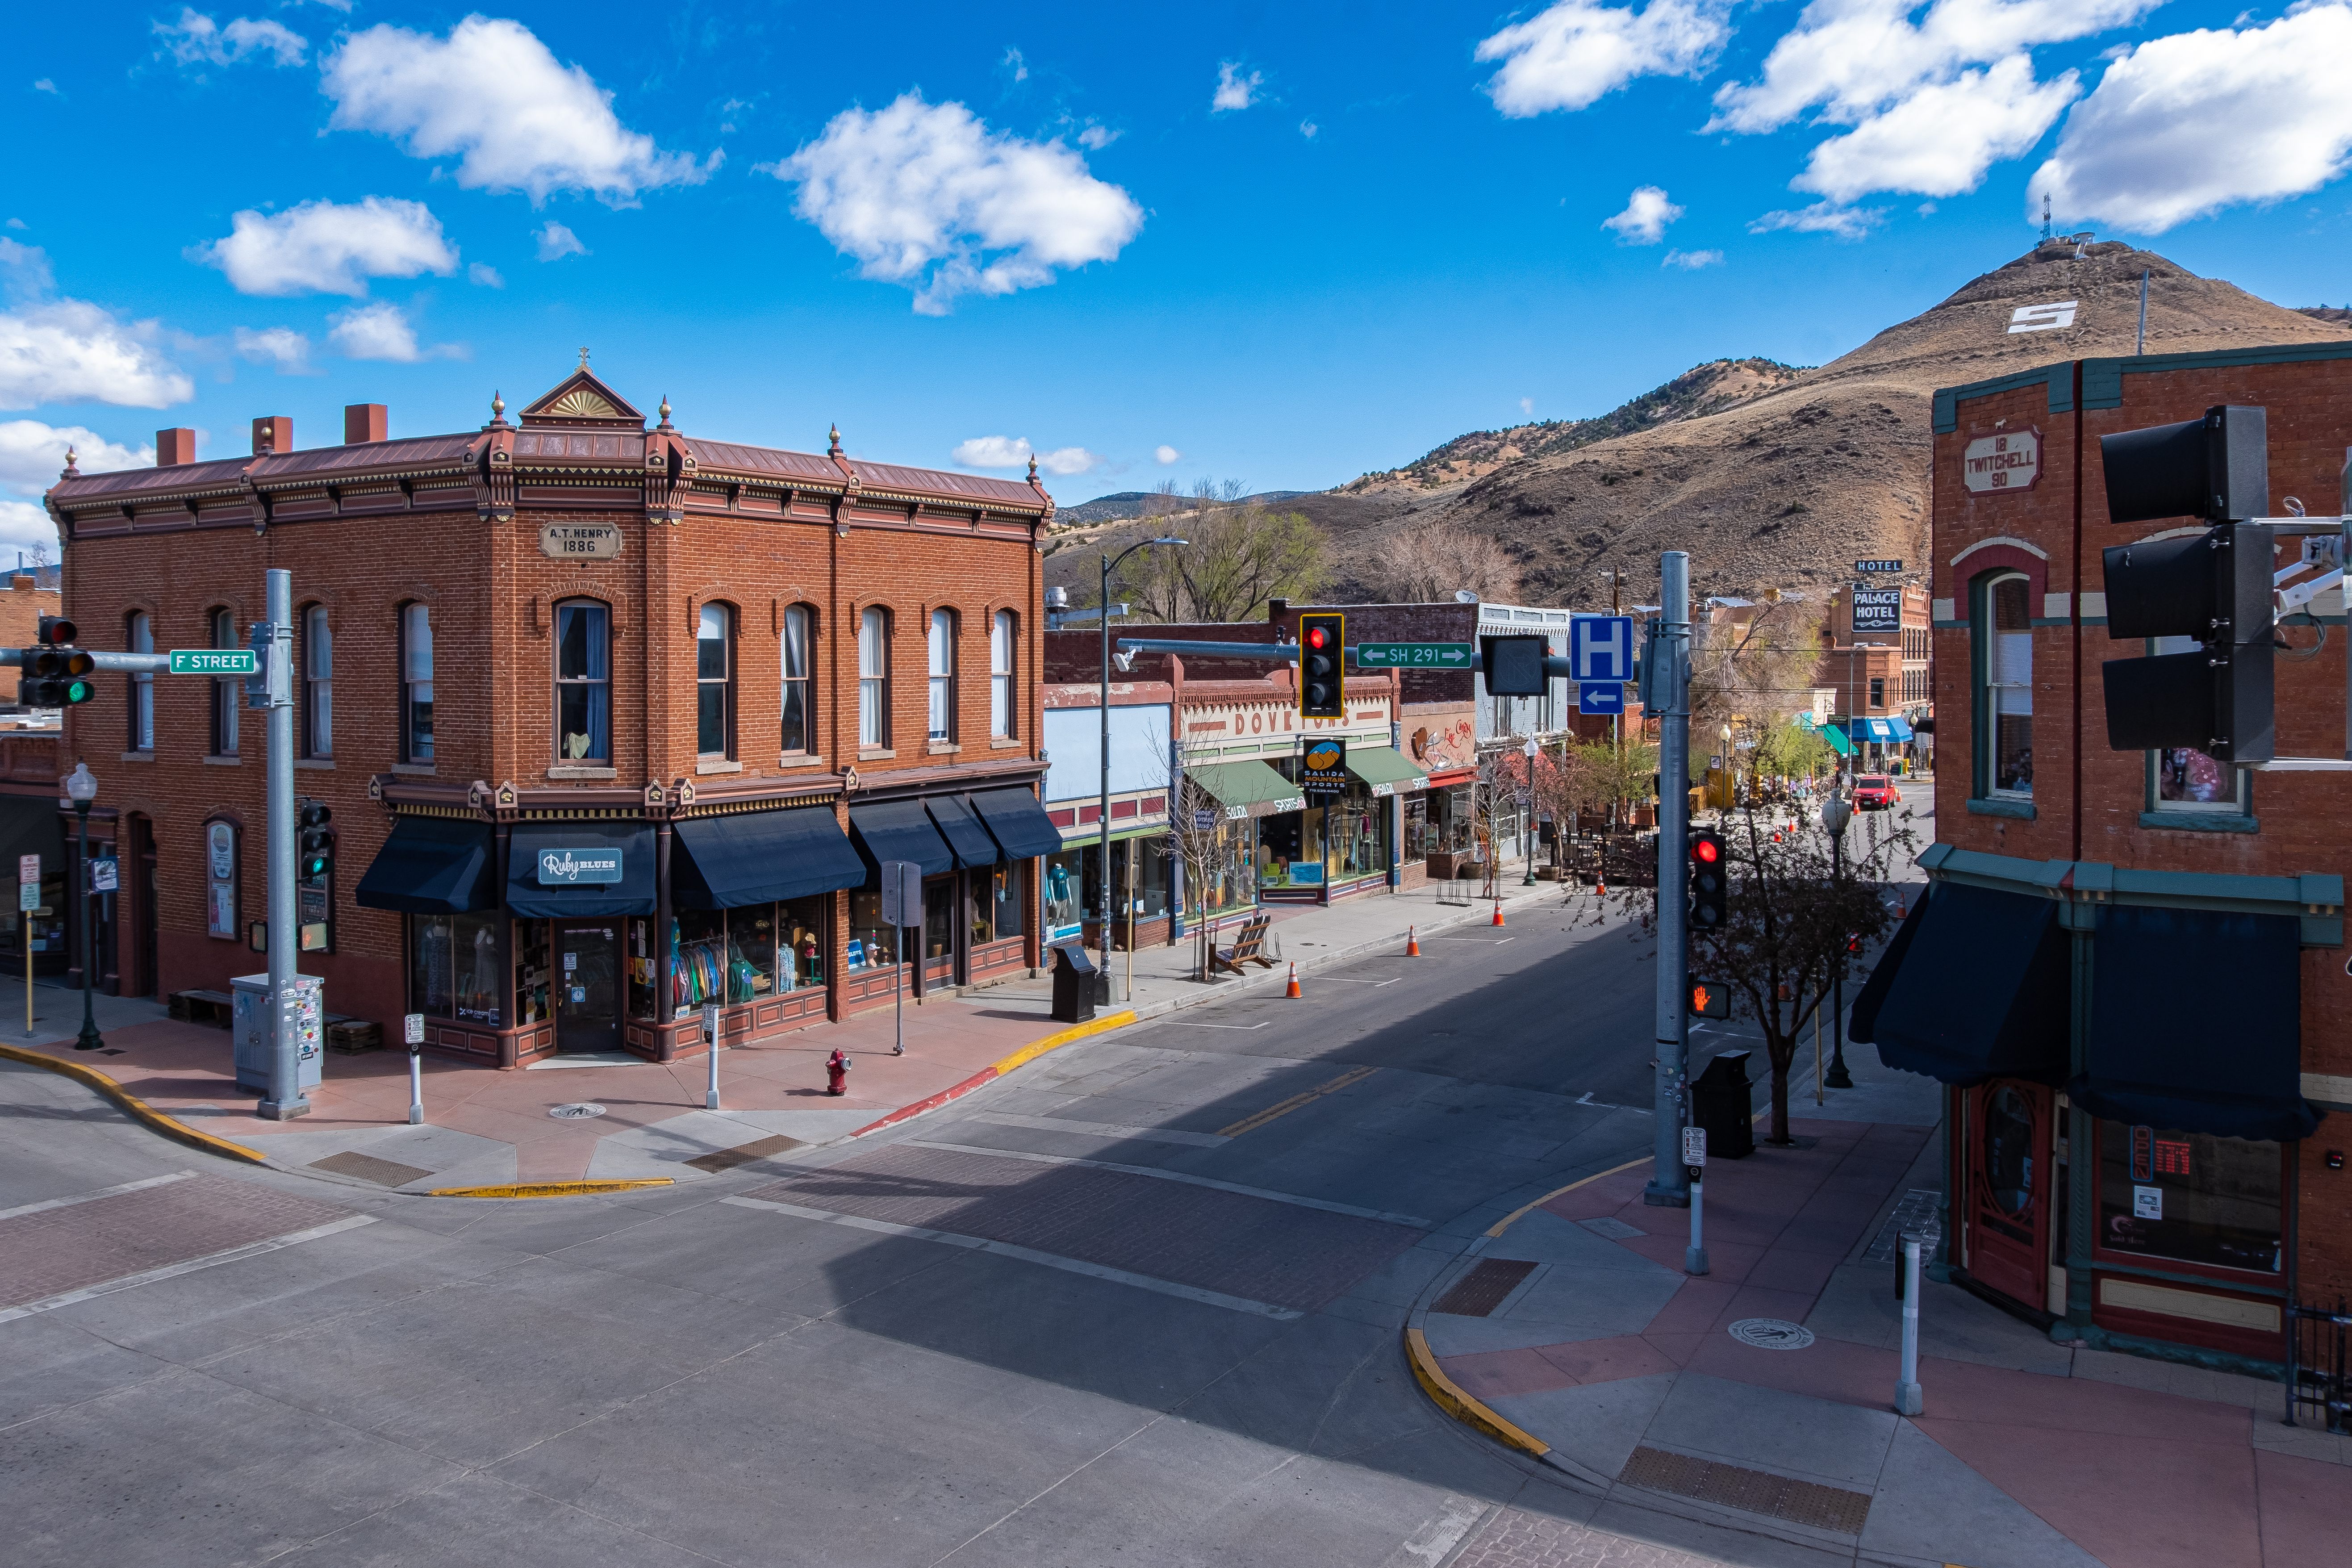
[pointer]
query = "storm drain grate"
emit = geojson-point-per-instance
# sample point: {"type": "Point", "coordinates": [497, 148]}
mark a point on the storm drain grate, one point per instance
{"type": "Point", "coordinates": [1750, 1491]}
{"type": "Point", "coordinates": [719, 1160]}
{"type": "Point", "coordinates": [368, 1168]}
{"type": "Point", "coordinates": [1481, 1290]}
{"type": "Point", "coordinates": [1917, 1207]}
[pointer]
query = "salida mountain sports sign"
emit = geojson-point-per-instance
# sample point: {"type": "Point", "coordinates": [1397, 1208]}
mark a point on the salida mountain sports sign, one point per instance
{"type": "Point", "coordinates": [2005, 460]}
{"type": "Point", "coordinates": [1323, 770]}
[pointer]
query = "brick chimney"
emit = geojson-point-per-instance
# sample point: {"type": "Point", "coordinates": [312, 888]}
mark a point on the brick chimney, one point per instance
{"type": "Point", "coordinates": [272, 433]}
{"type": "Point", "coordinates": [173, 447]}
{"type": "Point", "coordinates": [363, 422]}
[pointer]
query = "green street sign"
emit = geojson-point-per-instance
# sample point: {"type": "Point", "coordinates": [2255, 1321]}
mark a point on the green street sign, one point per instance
{"type": "Point", "coordinates": [1413, 656]}
{"type": "Point", "coordinates": [214, 661]}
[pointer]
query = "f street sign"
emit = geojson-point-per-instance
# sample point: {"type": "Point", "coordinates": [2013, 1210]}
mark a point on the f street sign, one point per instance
{"type": "Point", "coordinates": [215, 661]}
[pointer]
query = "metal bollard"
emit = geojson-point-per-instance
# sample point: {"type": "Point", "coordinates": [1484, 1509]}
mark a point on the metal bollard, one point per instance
{"type": "Point", "coordinates": [1906, 1388]}
{"type": "Point", "coordinates": [710, 1035]}
{"type": "Point", "coordinates": [1695, 1254]}
{"type": "Point", "coordinates": [413, 1031]}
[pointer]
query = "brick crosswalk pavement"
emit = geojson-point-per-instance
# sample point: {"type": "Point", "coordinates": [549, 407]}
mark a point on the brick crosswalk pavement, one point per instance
{"type": "Point", "coordinates": [78, 1245]}
{"type": "Point", "coordinates": [1514, 1538]}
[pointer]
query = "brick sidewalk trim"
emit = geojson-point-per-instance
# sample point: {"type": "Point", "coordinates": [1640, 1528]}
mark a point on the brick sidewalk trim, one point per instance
{"type": "Point", "coordinates": [990, 1074]}
{"type": "Point", "coordinates": [171, 1127]}
{"type": "Point", "coordinates": [554, 1189]}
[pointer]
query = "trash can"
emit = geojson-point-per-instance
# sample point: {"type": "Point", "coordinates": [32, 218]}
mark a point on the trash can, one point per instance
{"type": "Point", "coordinates": [1076, 980]}
{"type": "Point", "coordinates": [1721, 1101]}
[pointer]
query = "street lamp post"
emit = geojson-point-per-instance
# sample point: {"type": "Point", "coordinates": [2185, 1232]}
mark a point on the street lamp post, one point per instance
{"type": "Point", "coordinates": [1730, 771]}
{"type": "Point", "coordinates": [1529, 751]}
{"type": "Point", "coordinates": [82, 788]}
{"type": "Point", "coordinates": [1102, 906]}
{"type": "Point", "coordinates": [1835, 815]}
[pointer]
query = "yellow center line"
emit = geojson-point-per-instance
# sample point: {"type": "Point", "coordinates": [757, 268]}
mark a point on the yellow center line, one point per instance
{"type": "Point", "coordinates": [1284, 1108]}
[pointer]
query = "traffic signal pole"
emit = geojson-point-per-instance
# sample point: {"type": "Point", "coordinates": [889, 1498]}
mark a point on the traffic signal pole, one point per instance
{"type": "Point", "coordinates": [1669, 1179]}
{"type": "Point", "coordinates": [285, 1101]}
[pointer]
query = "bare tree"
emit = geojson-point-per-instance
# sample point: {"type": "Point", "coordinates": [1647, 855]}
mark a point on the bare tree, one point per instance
{"type": "Point", "coordinates": [1241, 553]}
{"type": "Point", "coordinates": [1746, 675]}
{"type": "Point", "coordinates": [1427, 560]}
{"type": "Point", "coordinates": [1208, 849]}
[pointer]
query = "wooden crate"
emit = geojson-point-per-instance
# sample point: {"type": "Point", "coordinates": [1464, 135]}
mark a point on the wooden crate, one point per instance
{"type": "Point", "coordinates": [352, 1037]}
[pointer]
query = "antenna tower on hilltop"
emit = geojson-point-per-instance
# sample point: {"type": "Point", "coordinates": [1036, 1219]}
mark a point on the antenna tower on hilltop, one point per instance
{"type": "Point", "coordinates": [2049, 232]}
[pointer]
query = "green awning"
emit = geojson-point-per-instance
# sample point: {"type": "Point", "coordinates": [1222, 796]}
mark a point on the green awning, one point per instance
{"type": "Point", "coordinates": [1249, 787]}
{"type": "Point", "coordinates": [1386, 769]}
{"type": "Point", "coordinates": [1835, 735]}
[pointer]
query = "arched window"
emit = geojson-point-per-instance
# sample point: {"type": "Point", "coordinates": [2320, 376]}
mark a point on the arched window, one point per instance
{"type": "Point", "coordinates": [874, 676]}
{"type": "Point", "coordinates": [2004, 639]}
{"type": "Point", "coordinates": [584, 682]}
{"type": "Point", "coordinates": [999, 673]}
{"type": "Point", "coordinates": [228, 693]}
{"type": "Point", "coordinates": [714, 682]}
{"type": "Point", "coordinates": [941, 649]}
{"type": "Point", "coordinates": [318, 652]}
{"type": "Point", "coordinates": [142, 684]}
{"type": "Point", "coordinates": [800, 702]}
{"type": "Point", "coordinates": [416, 683]}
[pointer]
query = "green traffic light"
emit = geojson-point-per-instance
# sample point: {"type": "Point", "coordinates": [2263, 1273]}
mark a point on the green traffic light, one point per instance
{"type": "Point", "coordinates": [76, 691]}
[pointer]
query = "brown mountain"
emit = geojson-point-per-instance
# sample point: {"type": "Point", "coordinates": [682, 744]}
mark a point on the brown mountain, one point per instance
{"type": "Point", "coordinates": [1773, 477]}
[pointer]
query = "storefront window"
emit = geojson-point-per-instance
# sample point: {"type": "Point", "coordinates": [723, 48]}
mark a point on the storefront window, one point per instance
{"type": "Point", "coordinates": [454, 968]}
{"type": "Point", "coordinates": [1291, 850]}
{"type": "Point", "coordinates": [530, 939]}
{"type": "Point", "coordinates": [1067, 890]}
{"type": "Point", "coordinates": [997, 905]}
{"type": "Point", "coordinates": [641, 969]}
{"type": "Point", "coordinates": [872, 945]}
{"type": "Point", "coordinates": [1356, 839]}
{"type": "Point", "coordinates": [938, 920]}
{"type": "Point", "coordinates": [2189, 1196]}
{"type": "Point", "coordinates": [800, 922]}
{"type": "Point", "coordinates": [1416, 845]}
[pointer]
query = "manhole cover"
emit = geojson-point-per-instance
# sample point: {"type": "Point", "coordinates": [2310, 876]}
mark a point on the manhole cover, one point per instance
{"type": "Point", "coordinates": [1771, 1334]}
{"type": "Point", "coordinates": [580, 1110]}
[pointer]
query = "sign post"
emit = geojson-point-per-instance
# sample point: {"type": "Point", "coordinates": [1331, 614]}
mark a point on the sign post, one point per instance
{"type": "Point", "coordinates": [28, 900]}
{"type": "Point", "coordinates": [412, 1030]}
{"type": "Point", "coordinates": [902, 906]}
{"type": "Point", "coordinates": [1695, 1162]}
{"type": "Point", "coordinates": [275, 636]}
{"type": "Point", "coordinates": [1669, 1182]}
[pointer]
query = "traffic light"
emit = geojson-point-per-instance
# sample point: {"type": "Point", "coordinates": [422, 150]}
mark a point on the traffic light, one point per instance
{"type": "Point", "coordinates": [314, 858]}
{"type": "Point", "coordinates": [55, 673]}
{"type": "Point", "coordinates": [1322, 660]}
{"type": "Point", "coordinates": [2213, 588]}
{"type": "Point", "coordinates": [1705, 998]}
{"type": "Point", "coordinates": [1711, 887]}
{"type": "Point", "coordinates": [1514, 666]}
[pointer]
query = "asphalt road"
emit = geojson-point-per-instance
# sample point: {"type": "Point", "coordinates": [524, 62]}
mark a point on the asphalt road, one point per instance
{"type": "Point", "coordinates": [1139, 1303]}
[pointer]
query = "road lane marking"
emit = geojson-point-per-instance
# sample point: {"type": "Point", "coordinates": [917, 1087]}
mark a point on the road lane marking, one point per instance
{"type": "Point", "coordinates": [1186, 1177]}
{"type": "Point", "coordinates": [1261, 1024]}
{"type": "Point", "coordinates": [1438, 1535]}
{"type": "Point", "coordinates": [101, 1193]}
{"type": "Point", "coordinates": [1101, 1129]}
{"type": "Point", "coordinates": [1490, 941]}
{"type": "Point", "coordinates": [1343, 980]}
{"type": "Point", "coordinates": [1284, 1108]}
{"type": "Point", "coordinates": [212, 1260]}
{"type": "Point", "coordinates": [1027, 1254]}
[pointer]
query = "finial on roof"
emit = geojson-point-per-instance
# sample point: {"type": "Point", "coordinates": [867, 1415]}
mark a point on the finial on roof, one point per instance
{"type": "Point", "coordinates": [835, 437]}
{"type": "Point", "coordinates": [1033, 467]}
{"type": "Point", "coordinates": [584, 356]}
{"type": "Point", "coordinates": [71, 472]}
{"type": "Point", "coordinates": [665, 411]}
{"type": "Point", "coordinates": [497, 409]}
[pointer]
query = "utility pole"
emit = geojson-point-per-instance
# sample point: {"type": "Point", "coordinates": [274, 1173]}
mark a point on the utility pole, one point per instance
{"type": "Point", "coordinates": [285, 1101]}
{"type": "Point", "coordinates": [1670, 1179]}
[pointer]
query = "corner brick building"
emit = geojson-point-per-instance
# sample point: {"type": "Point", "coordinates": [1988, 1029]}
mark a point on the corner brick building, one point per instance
{"type": "Point", "coordinates": [2130, 965]}
{"type": "Point", "coordinates": [612, 721]}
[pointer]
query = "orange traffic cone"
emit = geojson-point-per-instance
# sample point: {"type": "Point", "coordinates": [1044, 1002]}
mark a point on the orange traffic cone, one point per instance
{"type": "Point", "coordinates": [1498, 912]}
{"type": "Point", "coordinates": [1599, 889]}
{"type": "Point", "coordinates": [1411, 943]}
{"type": "Point", "coordinates": [1292, 990]}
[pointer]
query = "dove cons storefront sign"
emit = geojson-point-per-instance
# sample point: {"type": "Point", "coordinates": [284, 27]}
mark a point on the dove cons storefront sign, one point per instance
{"type": "Point", "coordinates": [575, 867]}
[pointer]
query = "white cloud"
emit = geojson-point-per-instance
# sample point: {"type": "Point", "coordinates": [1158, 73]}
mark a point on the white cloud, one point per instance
{"type": "Point", "coordinates": [45, 85]}
{"type": "Point", "coordinates": [1165, 455]}
{"type": "Point", "coordinates": [1235, 90]}
{"type": "Point", "coordinates": [1692, 260]}
{"type": "Point", "coordinates": [382, 332]}
{"type": "Point", "coordinates": [1643, 221]}
{"type": "Point", "coordinates": [70, 350]}
{"type": "Point", "coordinates": [196, 39]}
{"type": "Point", "coordinates": [1095, 138]}
{"type": "Point", "coordinates": [991, 452]}
{"type": "Point", "coordinates": [26, 269]}
{"type": "Point", "coordinates": [323, 248]}
{"type": "Point", "coordinates": [556, 242]}
{"type": "Point", "coordinates": [1307, 129]}
{"type": "Point", "coordinates": [926, 194]}
{"type": "Point", "coordinates": [2186, 125]}
{"type": "Point", "coordinates": [492, 95]}
{"type": "Point", "coordinates": [26, 527]}
{"type": "Point", "coordinates": [284, 347]}
{"type": "Point", "coordinates": [1939, 140]}
{"type": "Point", "coordinates": [1067, 460]}
{"type": "Point", "coordinates": [1013, 62]}
{"type": "Point", "coordinates": [1822, 218]}
{"type": "Point", "coordinates": [32, 454]}
{"type": "Point", "coordinates": [1526, 407]}
{"type": "Point", "coordinates": [482, 275]}
{"type": "Point", "coordinates": [1570, 55]}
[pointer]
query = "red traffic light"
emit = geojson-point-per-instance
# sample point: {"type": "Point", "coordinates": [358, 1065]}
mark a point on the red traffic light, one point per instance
{"type": "Point", "coordinates": [1317, 637]}
{"type": "Point", "coordinates": [58, 632]}
{"type": "Point", "coordinates": [1705, 849]}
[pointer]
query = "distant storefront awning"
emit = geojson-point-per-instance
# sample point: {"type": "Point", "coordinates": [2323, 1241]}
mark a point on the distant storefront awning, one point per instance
{"type": "Point", "coordinates": [899, 830]}
{"type": "Point", "coordinates": [431, 865]}
{"type": "Point", "coordinates": [1017, 823]}
{"type": "Point", "coordinates": [960, 827]}
{"type": "Point", "coordinates": [1385, 770]}
{"type": "Point", "coordinates": [560, 870]}
{"type": "Point", "coordinates": [1881, 731]}
{"type": "Point", "coordinates": [1836, 738]}
{"type": "Point", "coordinates": [1249, 787]}
{"type": "Point", "coordinates": [1974, 986]}
{"type": "Point", "coordinates": [1900, 726]}
{"type": "Point", "coordinates": [2196, 1023]}
{"type": "Point", "coordinates": [759, 856]}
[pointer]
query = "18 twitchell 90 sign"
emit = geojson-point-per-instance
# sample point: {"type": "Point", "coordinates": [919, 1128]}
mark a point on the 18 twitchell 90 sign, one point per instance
{"type": "Point", "coordinates": [2005, 460]}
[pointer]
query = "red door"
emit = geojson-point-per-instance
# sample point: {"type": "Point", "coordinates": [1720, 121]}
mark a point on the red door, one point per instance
{"type": "Point", "coordinates": [2008, 1190]}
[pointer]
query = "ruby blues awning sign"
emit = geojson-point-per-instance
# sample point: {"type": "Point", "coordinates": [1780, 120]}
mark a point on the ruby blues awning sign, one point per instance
{"type": "Point", "coordinates": [2009, 461]}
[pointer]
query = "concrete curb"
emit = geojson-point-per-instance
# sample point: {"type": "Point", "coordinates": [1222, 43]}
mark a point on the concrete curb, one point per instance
{"type": "Point", "coordinates": [1027, 1053]}
{"type": "Point", "coordinates": [140, 1110]}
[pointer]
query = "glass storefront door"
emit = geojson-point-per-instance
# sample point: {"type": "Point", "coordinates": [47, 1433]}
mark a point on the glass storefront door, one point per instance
{"type": "Point", "coordinates": [587, 985]}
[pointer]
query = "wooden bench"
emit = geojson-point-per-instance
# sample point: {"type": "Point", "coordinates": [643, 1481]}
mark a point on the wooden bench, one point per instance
{"type": "Point", "coordinates": [215, 1007]}
{"type": "Point", "coordinates": [1247, 947]}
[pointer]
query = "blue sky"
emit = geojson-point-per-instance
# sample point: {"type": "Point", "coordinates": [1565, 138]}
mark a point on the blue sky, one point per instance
{"type": "Point", "coordinates": [1280, 244]}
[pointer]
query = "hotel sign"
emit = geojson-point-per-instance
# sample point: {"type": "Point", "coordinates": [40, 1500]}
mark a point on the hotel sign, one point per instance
{"type": "Point", "coordinates": [2011, 460]}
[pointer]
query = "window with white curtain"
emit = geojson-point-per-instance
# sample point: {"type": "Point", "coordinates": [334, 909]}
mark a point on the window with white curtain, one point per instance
{"type": "Point", "coordinates": [799, 706]}
{"type": "Point", "coordinates": [999, 673]}
{"type": "Point", "coordinates": [229, 694]}
{"type": "Point", "coordinates": [874, 676]}
{"type": "Point", "coordinates": [143, 685]}
{"type": "Point", "coordinates": [942, 675]}
{"type": "Point", "coordinates": [2005, 653]}
{"type": "Point", "coordinates": [714, 683]}
{"type": "Point", "coordinates": [415, 684]}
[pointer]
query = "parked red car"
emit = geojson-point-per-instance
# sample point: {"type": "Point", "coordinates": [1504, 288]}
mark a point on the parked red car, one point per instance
{"type": "Point", "coordinates": [1875, 792]}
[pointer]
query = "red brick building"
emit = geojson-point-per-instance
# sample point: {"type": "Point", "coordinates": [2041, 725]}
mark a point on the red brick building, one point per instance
{"type": "Point", "coordinates": [613, 720]}
{"type": "Point", "coordinates": [2130, 966]}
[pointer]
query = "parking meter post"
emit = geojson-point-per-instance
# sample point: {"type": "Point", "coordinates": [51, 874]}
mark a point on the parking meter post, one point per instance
{"type": "Point", "coordinates": [711, 1047]}
{"type": "Point", "coordinates": [1695, 1165]}
{"type": "Point", "coordinates": [1907, 1400]}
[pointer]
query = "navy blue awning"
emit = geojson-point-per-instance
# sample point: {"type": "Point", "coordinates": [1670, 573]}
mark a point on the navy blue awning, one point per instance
{"type": "Point", "coordinates": [2196, 1022]}
{"type": "Point", "coordinates": [1974, 986]}
{"type": "Point", "coordinates": [957, 822]}
{"type": "Point", "coordinates": [899, 830]}
{"type": "Point", "coordinates": [431, 865]}
{"type": "Point", "coordinates": [1017, 823]}
{"type": "Point", "coordinates": [759, 856]}
{"type": "Point", "coordinates": [554, 869]}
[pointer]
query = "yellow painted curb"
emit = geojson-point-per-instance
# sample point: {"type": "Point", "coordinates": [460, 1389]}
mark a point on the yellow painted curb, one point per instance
{"type": "Point", "coordinates": [1036, 1049]}
{"type": "Point", "coordinates": [169, 1126]}
{"type": "Point", "coordinates": [1460, 1405]}
{"type": "Point", "coordinates": [551, 1189]}
{"type": "Point", "coordinates": [1512, 1219]}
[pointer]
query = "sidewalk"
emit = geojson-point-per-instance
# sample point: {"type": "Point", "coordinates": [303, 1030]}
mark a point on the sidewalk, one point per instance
{"type": "Point", "coordinates": [1574, 1332]}
{"type": "Point", "coordinates": [489, 1128]}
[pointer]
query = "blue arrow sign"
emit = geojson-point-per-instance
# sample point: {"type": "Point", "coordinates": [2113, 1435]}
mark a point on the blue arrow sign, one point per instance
{"type": "Point", "coordinates": [1601, 696]}
{"type": "Point", "coordinates": [1600, 647]}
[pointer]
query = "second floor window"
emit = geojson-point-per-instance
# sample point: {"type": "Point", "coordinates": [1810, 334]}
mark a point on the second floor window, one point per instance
{"type": "Point", "coordinates": [228, 695]}
{"type": "Point", "coordinates": [999, 673]}
{"type": "Point", "coordinates": [2004, 629]}
{"type": "Point", "coordinates": [714, 683]}
{"type": "Point", "coordinates": [874, 677]}
{"type": "Point", "coordinates": [1878, 692]}
{"type": "Point", "coordinates": [415, 684]}
{"type": "Point", "coordinates": [800, 712]}
{"type": "Point", "coordinates": [584, 683]}
{"type": "Point", "coordinates": [143, 685]}
{"type": "Point", "coordinates": [318, 683]}
{"type": "Point", "coordinates": [942, 650]}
